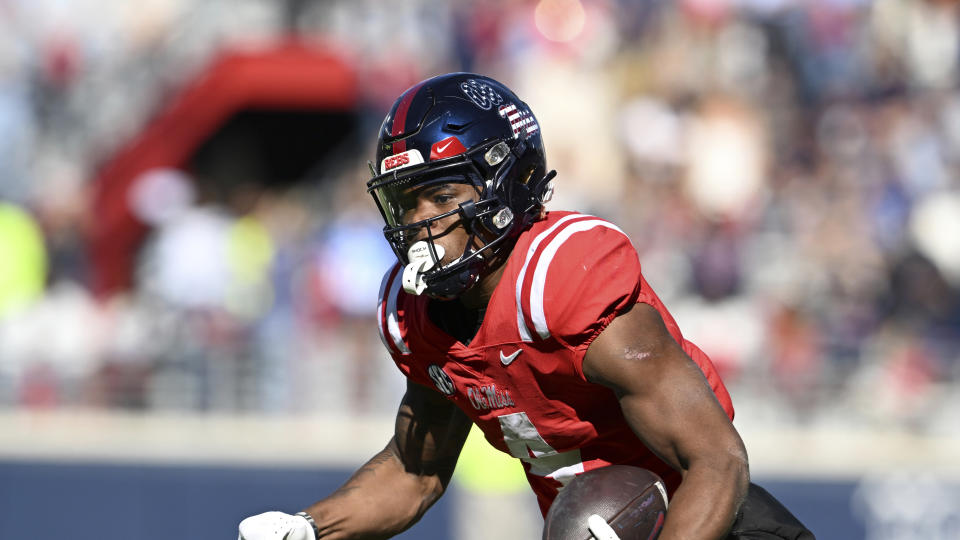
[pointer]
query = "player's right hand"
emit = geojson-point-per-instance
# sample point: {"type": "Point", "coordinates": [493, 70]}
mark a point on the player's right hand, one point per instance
{"type": "Point", "coordinates": [276, 526]}
{"type": "Point", "coordinates": [600, 529]}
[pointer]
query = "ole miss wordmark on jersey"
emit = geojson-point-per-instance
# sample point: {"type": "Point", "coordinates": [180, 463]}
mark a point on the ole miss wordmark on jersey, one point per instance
{"type": "Point", "coordinates": [521, 377]}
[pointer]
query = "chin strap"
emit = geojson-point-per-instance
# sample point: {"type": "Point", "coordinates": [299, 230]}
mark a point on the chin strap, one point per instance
{"type": "Point", "coordinates": [421, 260]}
{"type": "Point", "coordinates": [545, 187]}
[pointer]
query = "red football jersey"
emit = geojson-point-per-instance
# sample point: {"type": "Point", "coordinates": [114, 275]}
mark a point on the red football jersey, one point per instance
{"type": "Point", "coordinates": [521, 377]}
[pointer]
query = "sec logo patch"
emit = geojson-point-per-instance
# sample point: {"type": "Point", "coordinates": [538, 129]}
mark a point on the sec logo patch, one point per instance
{"type": "Point", "coordinates": [441, 379]}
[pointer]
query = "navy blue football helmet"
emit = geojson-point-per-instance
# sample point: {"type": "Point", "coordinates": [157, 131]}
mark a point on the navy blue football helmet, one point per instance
{"type": "Point", "coordinates": [466, 128]}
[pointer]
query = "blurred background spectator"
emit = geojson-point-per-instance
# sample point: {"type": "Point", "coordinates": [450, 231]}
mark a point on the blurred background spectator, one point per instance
{"type": "Point", "coordinates": [788, 171]}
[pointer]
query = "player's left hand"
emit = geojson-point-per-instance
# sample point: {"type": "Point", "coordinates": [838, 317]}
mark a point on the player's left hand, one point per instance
{"type": "Point", "coordinates": [276, 526]}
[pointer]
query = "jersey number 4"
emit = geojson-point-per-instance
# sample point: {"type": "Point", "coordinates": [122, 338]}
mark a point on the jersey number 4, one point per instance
{"type": "Point", "coordinates": [525, 442]}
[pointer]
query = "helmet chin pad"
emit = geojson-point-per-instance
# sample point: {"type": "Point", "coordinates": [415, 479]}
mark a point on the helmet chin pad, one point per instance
{"type": "Point", "coordinates": [455, 281]}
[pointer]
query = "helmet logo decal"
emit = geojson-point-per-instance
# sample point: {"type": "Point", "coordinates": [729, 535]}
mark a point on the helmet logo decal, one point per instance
{"type": "Point", "coordinates": [521, 121]}
{"type": "Point", "coordinates": [441, 379]}
{"type": "Point", "coordinates": [401, 160]}
{"type": "Point", "coordinates": [451, 146]}
{"type": "Point", "coordinates": [481, 94]}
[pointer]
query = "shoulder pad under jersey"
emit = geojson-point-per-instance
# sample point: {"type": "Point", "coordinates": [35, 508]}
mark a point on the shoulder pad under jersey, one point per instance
{"type": "Point", "coordinates": [577, 275]}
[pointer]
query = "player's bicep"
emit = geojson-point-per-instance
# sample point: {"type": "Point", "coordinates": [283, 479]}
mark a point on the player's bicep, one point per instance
{"type": "Point", "coordinates": [429, 433]}
{"type": "Point", "coordinates": [663, 393]}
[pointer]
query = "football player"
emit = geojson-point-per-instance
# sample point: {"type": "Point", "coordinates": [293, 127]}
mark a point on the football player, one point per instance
{"type": "Point", "coordinates": [537, 326]}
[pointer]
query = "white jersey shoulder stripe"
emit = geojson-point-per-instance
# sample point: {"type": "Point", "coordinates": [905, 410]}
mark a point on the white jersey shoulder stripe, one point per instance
{"type": "Point", "coordinates": [383, 289]}
{"type": "Point", "coordinates": [543, 264]}
{"type": "Point", "coordinates": [387, 316]}
{"type": "Point", "coordinates": [521, 320]}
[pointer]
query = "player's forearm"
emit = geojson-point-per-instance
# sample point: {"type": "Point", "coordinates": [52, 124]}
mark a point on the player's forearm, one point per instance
{"type": "Point", "coordinates": [706, 503]}
{"type": "Point", "coordinates": [380, 500]}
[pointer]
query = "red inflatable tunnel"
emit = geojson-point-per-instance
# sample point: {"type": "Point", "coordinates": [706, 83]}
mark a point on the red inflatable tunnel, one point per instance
{"type": "Point", "coordinates": [290, 77]}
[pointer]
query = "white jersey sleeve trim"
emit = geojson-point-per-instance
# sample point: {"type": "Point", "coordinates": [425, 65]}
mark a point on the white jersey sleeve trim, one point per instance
{"type": "Point", "coordinates": [521, 320]}
{"type": "Point", "coordinates": [383, 289]}
{"type": "Point", "coordinates": [389, 289]}
{"type": "Point", "coordinates": [540, 273]}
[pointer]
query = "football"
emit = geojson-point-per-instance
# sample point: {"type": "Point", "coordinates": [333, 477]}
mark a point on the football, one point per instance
{"type": "Point", "coordinates": [632, 500]}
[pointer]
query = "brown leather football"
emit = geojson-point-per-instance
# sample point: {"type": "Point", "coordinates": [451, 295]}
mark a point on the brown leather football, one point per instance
{"type": "Point", "coordinates": [633, 501]}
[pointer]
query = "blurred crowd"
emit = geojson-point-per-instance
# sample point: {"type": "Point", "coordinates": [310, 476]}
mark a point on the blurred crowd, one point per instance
{"type": "Point", "coordinates": [789, 172]}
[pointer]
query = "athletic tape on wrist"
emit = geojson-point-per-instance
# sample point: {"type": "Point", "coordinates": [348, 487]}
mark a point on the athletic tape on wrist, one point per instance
{"type": "Point", "coordinates": [313, 524]}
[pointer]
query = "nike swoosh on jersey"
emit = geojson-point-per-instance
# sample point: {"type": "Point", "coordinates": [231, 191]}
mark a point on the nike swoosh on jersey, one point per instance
{"type": "Point", "coordinates": [507, 359]}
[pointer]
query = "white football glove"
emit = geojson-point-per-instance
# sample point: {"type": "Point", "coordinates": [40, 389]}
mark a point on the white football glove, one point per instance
{"type": "Point", "coordinates": [600, 529]}
{"type": "Point", "coordinates": [276, 526]}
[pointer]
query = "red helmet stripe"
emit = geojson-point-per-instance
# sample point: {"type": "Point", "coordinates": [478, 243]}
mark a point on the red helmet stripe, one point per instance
{"type": "Point", "coordinates": [400, 118]}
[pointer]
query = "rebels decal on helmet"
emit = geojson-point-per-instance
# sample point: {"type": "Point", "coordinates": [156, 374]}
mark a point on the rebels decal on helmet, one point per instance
{"type": "Point", "coordinates": [403, 159]}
